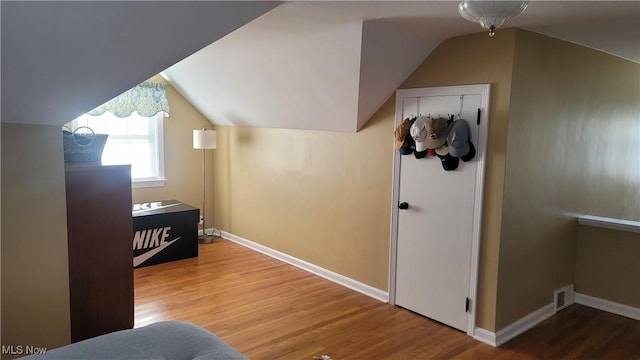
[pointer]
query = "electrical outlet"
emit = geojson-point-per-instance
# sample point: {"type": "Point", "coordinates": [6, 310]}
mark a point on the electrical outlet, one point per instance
{"type": "Point", "coordinates": [201, 219]}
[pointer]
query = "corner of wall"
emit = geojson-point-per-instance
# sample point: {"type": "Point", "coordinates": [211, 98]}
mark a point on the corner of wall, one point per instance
{"type": "Point", "coordinates": [561, 159]}
{"type": "Point", "coordinates": [35, 276]}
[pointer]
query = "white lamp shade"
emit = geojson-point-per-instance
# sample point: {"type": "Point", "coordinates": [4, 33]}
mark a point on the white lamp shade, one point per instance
{"type": "Point", "coordinates": [204, 139]}
{"type": "Point", "coordinates": [490, 13]}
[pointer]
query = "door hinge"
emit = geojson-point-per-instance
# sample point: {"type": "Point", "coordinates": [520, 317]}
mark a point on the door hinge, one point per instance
{"type": "Point", "coordinates": [467, 304]}
{"type": "Point", "coordinates": [478, 119]}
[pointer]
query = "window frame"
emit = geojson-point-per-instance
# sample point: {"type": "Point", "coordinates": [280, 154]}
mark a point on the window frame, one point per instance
{"type": "Point", "coordinates": [160, 180]}
{"type": "Point", "coordinates": [147, 182]}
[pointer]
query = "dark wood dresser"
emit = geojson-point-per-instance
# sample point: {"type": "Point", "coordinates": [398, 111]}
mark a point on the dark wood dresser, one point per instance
{"type": "Point", "coordinates": [99, 226]}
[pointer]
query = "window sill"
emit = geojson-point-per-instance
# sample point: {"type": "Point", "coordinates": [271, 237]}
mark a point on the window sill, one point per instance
{"type": "Point", "coordinates": [609, 223]}
{"type": "Point", "coordinates": [147, 183]}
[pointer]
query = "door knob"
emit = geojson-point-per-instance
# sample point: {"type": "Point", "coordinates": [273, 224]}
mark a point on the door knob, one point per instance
{"type": "Point", "coordinates": [403, 206]}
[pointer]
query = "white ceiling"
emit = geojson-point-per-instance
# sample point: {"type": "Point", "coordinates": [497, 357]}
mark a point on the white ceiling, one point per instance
{"type": "Point", "coordinates": [330, 65]}
{"type": "Point", "coordinates": [322, 65]}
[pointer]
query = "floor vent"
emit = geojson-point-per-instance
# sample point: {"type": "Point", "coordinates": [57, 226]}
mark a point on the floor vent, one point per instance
{"type": "Point", "coordinates": [563, 297]}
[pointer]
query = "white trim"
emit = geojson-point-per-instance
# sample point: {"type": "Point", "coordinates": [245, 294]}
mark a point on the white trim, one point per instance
{"type": "Point", "coordinates": [155, 138]}
{"type": "Point", "coordinates": [147, 183]}
{"type": "Point", "coordinates": [525, 324]}
{"type": "Point", "coordinates": [485, 91]}
{"type": "Point", "coordinates": [609, 223]}
{"type": "Point", "coordinates": [608, 306]}
{"type": "Point", "coordinates": [160, 146]}
{"type": "Point", "coordinates": [540, 315]}
{"type": "Point", "coordinates": [309, 267]}
{"type": "Point", "coordinates": [515, 329]}
{"type": "Point", "coordinates": [395, 199]}
{"type": "Point", "coordinates": [485, 336]}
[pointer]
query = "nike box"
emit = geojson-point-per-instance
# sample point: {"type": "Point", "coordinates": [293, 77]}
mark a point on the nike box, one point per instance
{"type": "Point", "coordinates": [164, 231]}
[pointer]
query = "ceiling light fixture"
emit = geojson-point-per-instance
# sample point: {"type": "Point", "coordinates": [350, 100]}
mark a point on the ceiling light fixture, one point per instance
{"type": "Point", "coordinates": [490, 14]}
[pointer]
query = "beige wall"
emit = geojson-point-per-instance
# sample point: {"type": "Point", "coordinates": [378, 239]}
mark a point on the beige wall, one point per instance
{"type": "Point", "coordinates": [182, 164]}
{"type": "Point", "coordinates": [35, 290]}
{"type": "Point", "coordinates": [326, 197]}
{"type": "Point", "coordinates": [292, 191]}
{"type": "Point", "coordinates": [323, 197]}
{"type": "Point", "coordinates": [35, 275]}
{"type": "Point", "coordinates": [608, 265]}
{"type": "Point", "coordinates": [572, 148]}
{"type": "Point", "coordinates": [479, 59]}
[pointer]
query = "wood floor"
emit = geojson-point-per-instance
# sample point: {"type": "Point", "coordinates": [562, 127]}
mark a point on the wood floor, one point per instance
{"type": "Point", "coordinates": [269, 310]}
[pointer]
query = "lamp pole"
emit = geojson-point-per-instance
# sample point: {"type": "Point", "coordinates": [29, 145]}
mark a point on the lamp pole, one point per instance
{"type": "Point", "coordinates": [204, 238]}
{"type": "Point", "coordinates": [204, 139]}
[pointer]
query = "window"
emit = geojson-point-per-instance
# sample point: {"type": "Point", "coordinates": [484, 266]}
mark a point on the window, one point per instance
{"type": "Point", "coordinates": [133, 121]}
{"type": "Point", "coordinates": [134, 139]}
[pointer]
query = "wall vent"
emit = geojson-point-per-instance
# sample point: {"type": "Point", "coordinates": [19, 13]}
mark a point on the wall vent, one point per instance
{"type": "Point", "coordinates": [563, 297]}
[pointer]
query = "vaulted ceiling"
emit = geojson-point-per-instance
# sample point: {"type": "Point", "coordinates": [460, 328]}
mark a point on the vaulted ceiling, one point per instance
{"type": "Point", "coordinates": [303, 65]}
{"type": "Point", "coordinates": [330, 65]}
{"type": "Point", "coordinates": [61, 59]}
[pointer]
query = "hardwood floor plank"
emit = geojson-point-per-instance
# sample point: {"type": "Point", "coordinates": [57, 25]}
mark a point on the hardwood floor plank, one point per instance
{"type": "Point", "coordinates": [268, 310]}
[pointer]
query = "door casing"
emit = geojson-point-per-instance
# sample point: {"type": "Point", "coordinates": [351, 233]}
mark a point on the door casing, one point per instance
{"type": "Point", "coordinates": [485, 91]}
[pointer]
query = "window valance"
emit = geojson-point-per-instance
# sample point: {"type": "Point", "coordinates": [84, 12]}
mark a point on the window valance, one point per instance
{"type": "Point", "coordinates": [147, 98]}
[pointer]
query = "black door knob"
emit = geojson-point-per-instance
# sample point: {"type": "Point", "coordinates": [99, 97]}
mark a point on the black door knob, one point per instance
{"type": "Point", "coordinates": [403, 206]}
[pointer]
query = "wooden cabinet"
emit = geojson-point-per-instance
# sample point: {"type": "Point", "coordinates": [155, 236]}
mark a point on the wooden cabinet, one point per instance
{"type": "Point", "coordinates": [99, 227]}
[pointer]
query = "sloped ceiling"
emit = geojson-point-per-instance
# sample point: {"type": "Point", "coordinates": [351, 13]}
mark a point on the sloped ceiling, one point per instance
{"type": "Point", "coordinates": [330, 65]}
{"type": "Point", "coordinates": [61, 59]}
{"type": "Point", "coordinates": [320, 65]}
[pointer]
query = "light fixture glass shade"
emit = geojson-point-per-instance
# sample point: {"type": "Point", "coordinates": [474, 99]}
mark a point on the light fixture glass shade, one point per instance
{"type": "Point", "coordinates": [490, 14]}
{"type": "Point", "coordinates": [204, 139]}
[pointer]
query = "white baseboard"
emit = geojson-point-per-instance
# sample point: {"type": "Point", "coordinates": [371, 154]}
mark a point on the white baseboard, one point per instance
{"type": "Point", "coordinates": [309, 267]}
{"type": "Point", "coordinates": [482, 335]}
{"type": "Point", "coordinates": [524, 324]}
{"type": "Point", "coordinates": [515, 329]}
{"type": "Point", "coordinates": [608, 306]}
{"type": "Point", "coordinates": [538, 316]}
{"type": "Point", "coordinates": [485, 336]}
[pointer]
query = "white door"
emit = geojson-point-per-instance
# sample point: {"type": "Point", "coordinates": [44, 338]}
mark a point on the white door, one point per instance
{"type": "Point", "coordinates": [436, 233]}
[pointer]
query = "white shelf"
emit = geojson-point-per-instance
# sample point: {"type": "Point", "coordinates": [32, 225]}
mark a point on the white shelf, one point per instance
{"type": "Point", "coordinates": [609, 223]}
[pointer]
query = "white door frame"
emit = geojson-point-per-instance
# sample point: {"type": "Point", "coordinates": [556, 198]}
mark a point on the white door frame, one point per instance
{"type": "Point", "coordinates": [481, 150]}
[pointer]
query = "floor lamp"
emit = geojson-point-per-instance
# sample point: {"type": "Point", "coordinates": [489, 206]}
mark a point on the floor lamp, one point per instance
{"type": "Point", "coordinates": [204, 140]}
